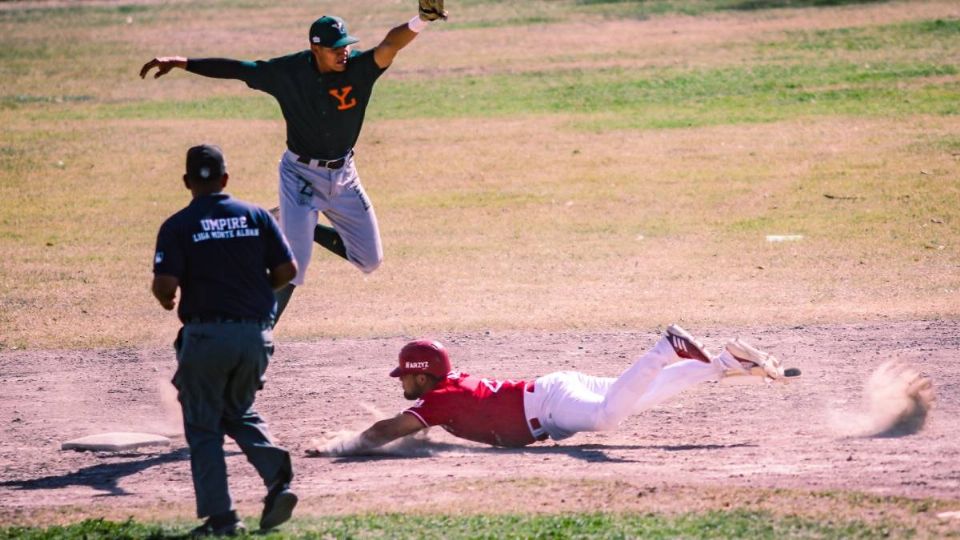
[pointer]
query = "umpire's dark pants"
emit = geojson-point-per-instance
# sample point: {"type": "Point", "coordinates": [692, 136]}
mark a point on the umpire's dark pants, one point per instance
{"type": "Point", "coordinates": [220, 368]}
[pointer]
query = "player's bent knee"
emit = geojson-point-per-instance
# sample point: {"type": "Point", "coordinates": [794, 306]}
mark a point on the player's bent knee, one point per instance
{"type": "Point", "coordinates": [369, 266]}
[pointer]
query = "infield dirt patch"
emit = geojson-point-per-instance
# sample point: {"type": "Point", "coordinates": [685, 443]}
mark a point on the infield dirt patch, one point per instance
{"type": "Point", "coordinates": [716, 447]}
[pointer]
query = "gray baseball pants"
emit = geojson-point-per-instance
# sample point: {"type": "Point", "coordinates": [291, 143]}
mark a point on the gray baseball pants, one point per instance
{"type": "Point", "coordinates": [308, 189]}
{"type": "Point", "coordinates": [220, 369]}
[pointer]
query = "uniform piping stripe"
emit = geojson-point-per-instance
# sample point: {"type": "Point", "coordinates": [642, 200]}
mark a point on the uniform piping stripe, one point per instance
{"type": "Point", "coordinates": [420, 418]}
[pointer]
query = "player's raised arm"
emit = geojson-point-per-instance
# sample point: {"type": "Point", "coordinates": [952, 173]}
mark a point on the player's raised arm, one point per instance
{"type": "Point", "coordinates": [375, 436]}
{"type": "Point", "coordinates": [401, 36]}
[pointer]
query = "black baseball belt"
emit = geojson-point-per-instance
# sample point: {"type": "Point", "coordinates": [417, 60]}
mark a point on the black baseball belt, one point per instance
{"type": "Point", "coordinates": [332, 164]}
{"type": "Point", "coordinates": [216, 319]}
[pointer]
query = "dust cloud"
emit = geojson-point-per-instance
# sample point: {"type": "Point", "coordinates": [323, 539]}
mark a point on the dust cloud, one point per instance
{"type": "Point", "coordinates": [896, 401]}
{"type": "Point", "coordinates": [418, 444]}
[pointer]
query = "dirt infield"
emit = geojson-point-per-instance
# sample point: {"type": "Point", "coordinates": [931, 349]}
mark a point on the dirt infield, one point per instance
{"type": "Point", "coordinates": [716, 446]}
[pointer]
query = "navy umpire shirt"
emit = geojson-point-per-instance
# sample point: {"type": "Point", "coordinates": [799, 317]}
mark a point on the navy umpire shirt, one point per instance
{"type": "Point", "coordinates": [220, 250]}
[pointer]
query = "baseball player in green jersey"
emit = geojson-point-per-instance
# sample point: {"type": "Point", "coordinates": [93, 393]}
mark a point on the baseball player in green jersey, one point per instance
{"type": "Point", "coordinates": [323, 94]}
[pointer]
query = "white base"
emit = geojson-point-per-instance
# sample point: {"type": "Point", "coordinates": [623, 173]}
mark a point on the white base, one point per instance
{"type": "Point", "coordinates": [115, 441]}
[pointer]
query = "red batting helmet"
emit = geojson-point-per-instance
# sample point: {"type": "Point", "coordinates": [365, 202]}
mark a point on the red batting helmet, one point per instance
{"type": "Point", "coordinates": [423, 356]}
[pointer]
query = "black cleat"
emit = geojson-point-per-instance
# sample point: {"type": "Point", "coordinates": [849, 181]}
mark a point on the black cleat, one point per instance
{"type": "Point", "coordinates": [277, 506]}
{"type": "Point", "coordinates": [226, 524]}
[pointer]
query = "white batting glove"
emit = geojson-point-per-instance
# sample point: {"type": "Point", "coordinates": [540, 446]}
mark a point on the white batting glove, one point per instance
{"type": "Point", "coordinates": [343, 444]}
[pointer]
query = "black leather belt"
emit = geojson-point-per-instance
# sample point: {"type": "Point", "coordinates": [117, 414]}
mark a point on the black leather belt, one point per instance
{"type": "Point", "coordinates": [228, 320]}
{"type": "Point", "coordinates": [333, 164]}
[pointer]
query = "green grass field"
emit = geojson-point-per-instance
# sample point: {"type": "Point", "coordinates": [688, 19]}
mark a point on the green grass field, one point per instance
{"type": "Point", "coordinates": [738, 524]}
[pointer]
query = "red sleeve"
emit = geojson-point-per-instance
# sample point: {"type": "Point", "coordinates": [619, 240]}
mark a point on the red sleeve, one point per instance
{"type": "Point", "coordinates": [430, 410]}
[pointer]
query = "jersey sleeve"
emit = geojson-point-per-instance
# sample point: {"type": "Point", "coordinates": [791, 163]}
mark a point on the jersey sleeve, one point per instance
{"type": "Point", "coordinates": [168, 258]}
{"type": "Point", "coordinates": [430, 410]}
{"type": "Point", "coordinates": [368, 65]}
{"type": "Point", "coordinates": [258, 75]}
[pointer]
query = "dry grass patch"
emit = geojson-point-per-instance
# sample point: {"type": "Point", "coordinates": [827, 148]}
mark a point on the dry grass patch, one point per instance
{"type": "Point", "coordinates": [553, 220]}
{"type": "Point", "coordinates": [514, 224]}
{"type": "Point", "coordinates": [603, 230]}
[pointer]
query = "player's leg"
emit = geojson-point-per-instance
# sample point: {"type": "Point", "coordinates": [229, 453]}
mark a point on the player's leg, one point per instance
{"type": "Point", "coordinates": [354, 221]}
{"type": "Point", "coordinates": [626, 389]}
{"type": "Point", "coordinates": [283, 298]}
{"type": "Point", "coordinates": [599, 403]}
{"type": "Point", "coordinates": [641, 379]}
{"type": "Point", "coordinates": [254, 347]}
{"type": "Point", "coordinates": [298, 217]}
{"type": "Point", "coordinates": [202, 373]}
{"type": "Point", "coordinates": [329, 238]}
{"type": "Point", "coordinates": [325, 236]}
{"type": "Point", "coordinates": [738, 359]}
{"type": "Point", "coordinates": [695, 366]}
{"type": "Point", "coordinates": [672, 380]}
{"type": "Point", "coordinates": [675, 379]}
{"type": "Point", "coordinates": [584, 403]}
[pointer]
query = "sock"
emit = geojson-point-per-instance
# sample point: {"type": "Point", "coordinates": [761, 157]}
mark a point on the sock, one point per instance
{"type": "Point", "coordinates": [329, 238]}
{"type": "Point", "coordinates": [283, 297]}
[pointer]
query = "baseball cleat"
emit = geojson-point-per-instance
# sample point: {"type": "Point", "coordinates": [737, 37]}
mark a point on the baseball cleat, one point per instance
{"type": "Point", "coordinates": [226, 524]}
{"type": "Point", "coordinates": [753, 361]}
{"type": "Point", "coordinates": [684, 345]}
{"type": "Point", "coordinates": [277, 506]}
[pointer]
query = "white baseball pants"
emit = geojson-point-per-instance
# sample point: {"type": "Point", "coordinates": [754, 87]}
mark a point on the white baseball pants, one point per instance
{"type": "Point", "coordinates": [306, 190]}
{"type": "Point", "coordinates": [568, 402]}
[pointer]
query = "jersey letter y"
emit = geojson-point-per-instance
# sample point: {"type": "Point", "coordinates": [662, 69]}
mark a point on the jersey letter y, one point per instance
{"type": "Point", "coordinates": [341, 95]}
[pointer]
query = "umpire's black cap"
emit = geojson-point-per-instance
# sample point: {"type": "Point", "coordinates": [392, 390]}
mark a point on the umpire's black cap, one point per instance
{"type": "Point", "coordinates": [205, 162]}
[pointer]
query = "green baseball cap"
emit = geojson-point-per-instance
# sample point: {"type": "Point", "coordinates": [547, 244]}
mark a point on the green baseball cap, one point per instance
{"type": "Point", "coordinates": [329, 31]}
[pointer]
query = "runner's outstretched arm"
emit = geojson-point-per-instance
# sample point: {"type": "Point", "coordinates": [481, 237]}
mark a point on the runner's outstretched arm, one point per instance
{"type": "Point", "coordinates": [377, 435]}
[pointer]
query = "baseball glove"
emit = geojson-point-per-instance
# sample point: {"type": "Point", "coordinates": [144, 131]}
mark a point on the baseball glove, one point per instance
{"type": "Point", "coordinates": [431, 10]}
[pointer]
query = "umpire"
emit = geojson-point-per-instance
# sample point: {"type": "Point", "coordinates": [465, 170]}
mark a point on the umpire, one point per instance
{"type": "Point", "coordinates": [227, 257]}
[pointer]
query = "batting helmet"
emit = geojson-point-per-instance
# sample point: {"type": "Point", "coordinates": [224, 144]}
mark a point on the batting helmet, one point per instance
{"type": "Point", "coordinates": [423, 356]}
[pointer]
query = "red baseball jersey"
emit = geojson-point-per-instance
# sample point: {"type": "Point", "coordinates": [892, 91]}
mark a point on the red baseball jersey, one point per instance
{"type": "Point", "coordinates": [476, 409]}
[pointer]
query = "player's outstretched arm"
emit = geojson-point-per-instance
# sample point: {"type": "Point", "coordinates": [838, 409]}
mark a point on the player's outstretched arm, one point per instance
{"type": "Point", "coordinates": [217, 68]}
{"type": "Point", "coordinates": [401, 36]}
{"type": "Point", "coordinates": [375, 436]}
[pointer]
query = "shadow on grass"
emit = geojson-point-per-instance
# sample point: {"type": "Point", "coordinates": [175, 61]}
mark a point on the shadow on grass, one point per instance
{"type": "Point", "coordinates": [103, 477]}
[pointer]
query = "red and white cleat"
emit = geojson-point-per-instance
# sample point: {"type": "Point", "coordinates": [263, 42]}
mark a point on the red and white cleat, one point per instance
{"type": "Point", "coordinates": [685, 346]}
